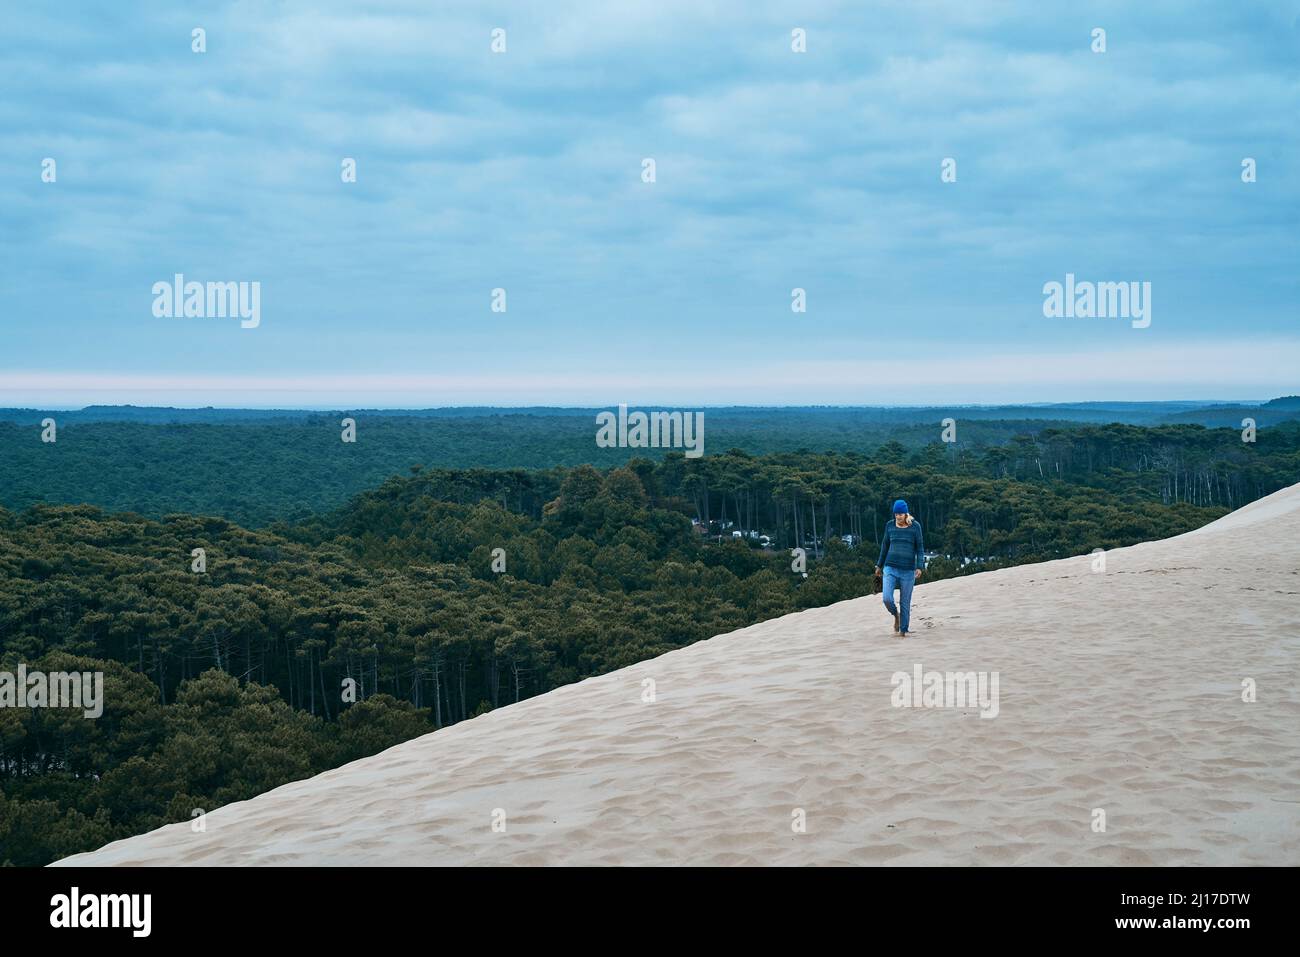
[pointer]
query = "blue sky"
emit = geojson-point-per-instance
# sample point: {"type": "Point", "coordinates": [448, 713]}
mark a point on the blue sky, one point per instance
{"type": "Point", "coordinates": [522, 170]}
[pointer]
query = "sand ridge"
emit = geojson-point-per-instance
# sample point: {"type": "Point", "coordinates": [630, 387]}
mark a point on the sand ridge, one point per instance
{"type": "Point", "coordinates": [1120, 691]}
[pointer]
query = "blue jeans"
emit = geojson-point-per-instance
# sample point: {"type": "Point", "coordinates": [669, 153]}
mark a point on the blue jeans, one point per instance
{"type": "Point", "coordinates": [903, 579]}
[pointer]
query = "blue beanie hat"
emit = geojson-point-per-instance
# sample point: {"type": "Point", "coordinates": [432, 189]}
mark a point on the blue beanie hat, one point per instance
{"type": "Point", "coordinates": [900, 506]}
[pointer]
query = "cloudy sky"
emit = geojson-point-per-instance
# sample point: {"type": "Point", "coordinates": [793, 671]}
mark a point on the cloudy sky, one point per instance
{"type": "Point", "coordinates": [522, 170]}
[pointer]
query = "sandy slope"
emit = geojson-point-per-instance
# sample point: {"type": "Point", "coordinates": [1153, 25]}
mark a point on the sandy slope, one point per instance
{"type": "Point", "coordinates": [1119, 690]}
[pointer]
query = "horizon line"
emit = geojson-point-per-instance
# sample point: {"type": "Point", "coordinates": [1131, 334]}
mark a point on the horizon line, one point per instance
{"type": "Point", "coordinates": [1042, 404]}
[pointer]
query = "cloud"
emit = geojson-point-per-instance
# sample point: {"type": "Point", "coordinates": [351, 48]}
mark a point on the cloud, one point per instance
{"type": "Point", "coordinates": [522, 171]}
{"type": "Point", "coordinates": [1146, 372]}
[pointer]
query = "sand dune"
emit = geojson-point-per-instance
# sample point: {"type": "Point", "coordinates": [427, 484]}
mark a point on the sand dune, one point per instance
{"type": "Point", "coordinates": [1119, 690]}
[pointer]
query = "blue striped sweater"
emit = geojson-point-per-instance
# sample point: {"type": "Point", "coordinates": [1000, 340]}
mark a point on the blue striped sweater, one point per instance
{"type": "Point", "coordinates": [902, 547]}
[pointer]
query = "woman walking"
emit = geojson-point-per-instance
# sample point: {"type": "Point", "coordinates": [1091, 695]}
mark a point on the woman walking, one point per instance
{"type": "Point", "coordinates": [902, 559]}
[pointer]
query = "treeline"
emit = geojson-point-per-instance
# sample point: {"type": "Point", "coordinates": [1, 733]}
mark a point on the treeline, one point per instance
{"type": "Point", "coordinates": [259, 470]}
{"type": "Point", "coordinates": [803, 498]}
{"type": "Point", "coordinates": [442, 595]}
{"type": "Point", "coordinates": [1175, 463]}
